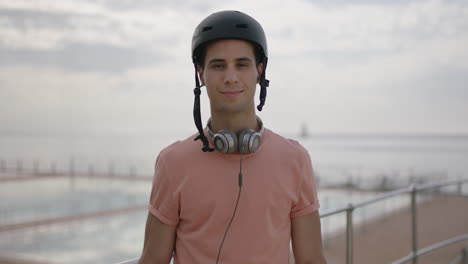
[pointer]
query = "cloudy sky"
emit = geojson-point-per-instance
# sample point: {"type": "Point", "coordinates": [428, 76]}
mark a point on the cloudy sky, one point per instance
{"type": "Point", "coordinates": [339, 66]}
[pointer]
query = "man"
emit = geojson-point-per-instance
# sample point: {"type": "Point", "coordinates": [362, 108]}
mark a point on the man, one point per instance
{"type": "Point", "coordinates": [244, 202]}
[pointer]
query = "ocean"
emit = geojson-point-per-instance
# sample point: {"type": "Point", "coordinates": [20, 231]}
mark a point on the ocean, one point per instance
{"type": "Point", "coordinates": [357, 155]}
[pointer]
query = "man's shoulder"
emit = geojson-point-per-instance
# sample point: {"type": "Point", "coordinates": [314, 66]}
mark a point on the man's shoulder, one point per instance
{"type": "Point", "coordinates": [286, 145]}
{"type": "Point", "coordinates": [181, 148]}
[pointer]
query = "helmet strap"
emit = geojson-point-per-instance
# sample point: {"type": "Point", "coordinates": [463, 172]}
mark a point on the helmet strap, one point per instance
{"type": "Point", "coordinates": [197, 115]}
{"type": "Point", "coordinates": [264, 83]}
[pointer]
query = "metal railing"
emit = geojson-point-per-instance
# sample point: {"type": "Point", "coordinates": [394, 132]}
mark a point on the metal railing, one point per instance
{"type": "Point", "coordinates": [133, 261]}
{"type": "Point", "coordinates": [431, 248]}
{"type": "Point", "coordinates": [462, 258]}
{"type": "Point", "coordinates": [413, 191]}
{"type": "Point", "coordinates": [20, 171]}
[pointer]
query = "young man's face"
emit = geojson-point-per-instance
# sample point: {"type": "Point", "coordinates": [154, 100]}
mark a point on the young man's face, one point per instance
{"type": "Point", "coordinates": [230, 75]}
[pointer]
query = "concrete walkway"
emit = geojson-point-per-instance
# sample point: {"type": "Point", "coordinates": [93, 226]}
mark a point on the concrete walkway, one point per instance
{"type": "Point", "coordinates": [18, 261]}
{"type": "Point", "coordinates": [388, 239]}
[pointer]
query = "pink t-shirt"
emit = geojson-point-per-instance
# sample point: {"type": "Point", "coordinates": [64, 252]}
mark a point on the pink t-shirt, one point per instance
{"type": "Point", "coordinates": [197, 192]}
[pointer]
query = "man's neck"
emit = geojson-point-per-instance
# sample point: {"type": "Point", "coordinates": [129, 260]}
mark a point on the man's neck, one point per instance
{"type": "Point", "coordinates": [235, 122]}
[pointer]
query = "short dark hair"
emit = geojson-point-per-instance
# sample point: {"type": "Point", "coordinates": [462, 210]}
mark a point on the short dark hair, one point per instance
{"type": "Point", "coordinates": [200, 53]}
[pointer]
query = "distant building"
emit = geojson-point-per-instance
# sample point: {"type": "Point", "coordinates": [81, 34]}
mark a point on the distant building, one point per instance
{"type": "Point", "coordinates": [304, 131]}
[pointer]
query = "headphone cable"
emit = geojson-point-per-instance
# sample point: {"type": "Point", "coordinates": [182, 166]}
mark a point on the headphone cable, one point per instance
{"type": "Point", "coordinates": [235, 209]}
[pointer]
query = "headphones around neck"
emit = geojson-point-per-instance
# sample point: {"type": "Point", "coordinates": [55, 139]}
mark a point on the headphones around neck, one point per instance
{"type": "Point", "coordinates": [226, 141]}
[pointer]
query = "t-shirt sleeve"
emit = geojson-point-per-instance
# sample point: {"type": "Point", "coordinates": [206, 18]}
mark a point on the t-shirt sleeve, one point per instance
{"type": "Point", "coordinates": [164, 201]}
{"type": "Point", "coordinates": [307, 200]}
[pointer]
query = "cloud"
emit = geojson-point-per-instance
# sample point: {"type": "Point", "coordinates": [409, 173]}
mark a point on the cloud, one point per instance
{"type": "Point", "coordinates": [50, 24]}
{"type": "Point", "coordinates": [83, 57]}
{"type": "Point", "coordinates": [367, 28]}
{"type": "Point", "coordinates": [341, 3]}
{"type": "Point", "coordinates": [89, 36]}
{"type": "Point", "coordinates": [51, 100]}
{"type": "Point", "coordinates": [362, 66]}
{"type": "Point", "coordinates": [181, 5]}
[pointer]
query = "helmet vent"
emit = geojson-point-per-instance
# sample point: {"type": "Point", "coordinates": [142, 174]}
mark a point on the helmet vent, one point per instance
{"type": "Point", "coordinates": [242, 26]}
{"type": "Point", "coordinates": [204, 29]}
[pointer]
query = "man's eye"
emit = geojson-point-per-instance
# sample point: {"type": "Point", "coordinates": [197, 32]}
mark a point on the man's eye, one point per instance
{"type": "Point", "coordinates": [243, 64]}
{"type": "Point", "coordinates": [217, 66]}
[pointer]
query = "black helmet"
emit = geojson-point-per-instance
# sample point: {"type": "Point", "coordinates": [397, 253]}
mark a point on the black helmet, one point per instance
{"type": "Point", "coordinates": [227, 25]}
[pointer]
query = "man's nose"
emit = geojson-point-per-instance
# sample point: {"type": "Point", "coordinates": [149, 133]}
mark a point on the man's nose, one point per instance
{"type": "Point", "coordinates": [230, 76]}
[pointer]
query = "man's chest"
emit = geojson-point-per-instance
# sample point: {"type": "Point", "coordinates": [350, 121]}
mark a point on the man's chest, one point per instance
{"type": "Point", "coordinates": [208, 194]}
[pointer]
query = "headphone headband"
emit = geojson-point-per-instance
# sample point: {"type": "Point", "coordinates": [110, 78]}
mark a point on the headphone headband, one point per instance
{"type": "Point", "coordinates": [227, 141]}
{"type": "Point", "coordinates": [259, 120]}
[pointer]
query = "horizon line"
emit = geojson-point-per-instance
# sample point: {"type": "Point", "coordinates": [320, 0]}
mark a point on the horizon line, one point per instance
{"type": "Point", "coordinates": [306, 135]}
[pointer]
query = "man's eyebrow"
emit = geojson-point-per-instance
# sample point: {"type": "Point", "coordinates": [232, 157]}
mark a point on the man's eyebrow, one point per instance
{"type": "Point", "coordinates": [215, 60]}
{"type": "Point", "coordinates": [244, 59]}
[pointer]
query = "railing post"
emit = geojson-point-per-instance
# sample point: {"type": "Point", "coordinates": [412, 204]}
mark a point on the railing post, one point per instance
{"type": "Point", "coordinates": [326, 225]}
{"type": "Point", "coordinates": [414, 226]}
{"type": "Point", "coordinates": [464, 256]}
{"type": "Point", "coordinates": [349, 234]}
{"type": "Point", "coordinates": [459, 188]}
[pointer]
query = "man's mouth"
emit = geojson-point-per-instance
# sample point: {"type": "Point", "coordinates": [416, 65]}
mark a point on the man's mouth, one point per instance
{"type": "Point", "coordinates": [232, 93]}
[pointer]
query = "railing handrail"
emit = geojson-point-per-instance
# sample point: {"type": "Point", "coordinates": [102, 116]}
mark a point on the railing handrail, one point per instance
{"type": "Point", "coordinates": [132, 261]}
{"type": "Point", "coordinates": [413, 190]}
{"type": "Point", "coordinates": [393, 193]}
{"type": "Point", "coordinates": [440, 184]}
{"type": "Point", "coordinates": [461, 258]}
{"type": "Point", "coordinates": [403, 260]}
{"type": "Point", "coordinates": [430, 248]}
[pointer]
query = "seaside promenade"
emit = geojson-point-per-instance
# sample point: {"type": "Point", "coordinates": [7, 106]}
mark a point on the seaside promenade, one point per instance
{"type": "Point", "coordinates": [381, 240]}
{"type": "Point", "coordinates": [389, 238]}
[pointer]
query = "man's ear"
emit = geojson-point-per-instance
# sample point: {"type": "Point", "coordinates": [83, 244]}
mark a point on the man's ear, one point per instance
{"type": "Point", "coordinates": [200, 74]}
{"type": "Point", "coordinates": [259, 71]}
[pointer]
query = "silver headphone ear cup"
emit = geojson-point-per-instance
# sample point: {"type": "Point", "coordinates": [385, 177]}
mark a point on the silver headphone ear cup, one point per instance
{"type": "Point", "coordinates": [254, 142]}
{"type": "Point", "coordinates": [249, 140]}
{"type": "Point", "coordinates": [225, 141]}
{"type": "Point", "coordinates": [220, 143]}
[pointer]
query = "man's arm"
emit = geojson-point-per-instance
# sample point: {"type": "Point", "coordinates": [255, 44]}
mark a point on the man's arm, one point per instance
{"type": "Point", "coordinates": [307, 239]}
{"type": "Point", "coordinates": [159, 241]}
